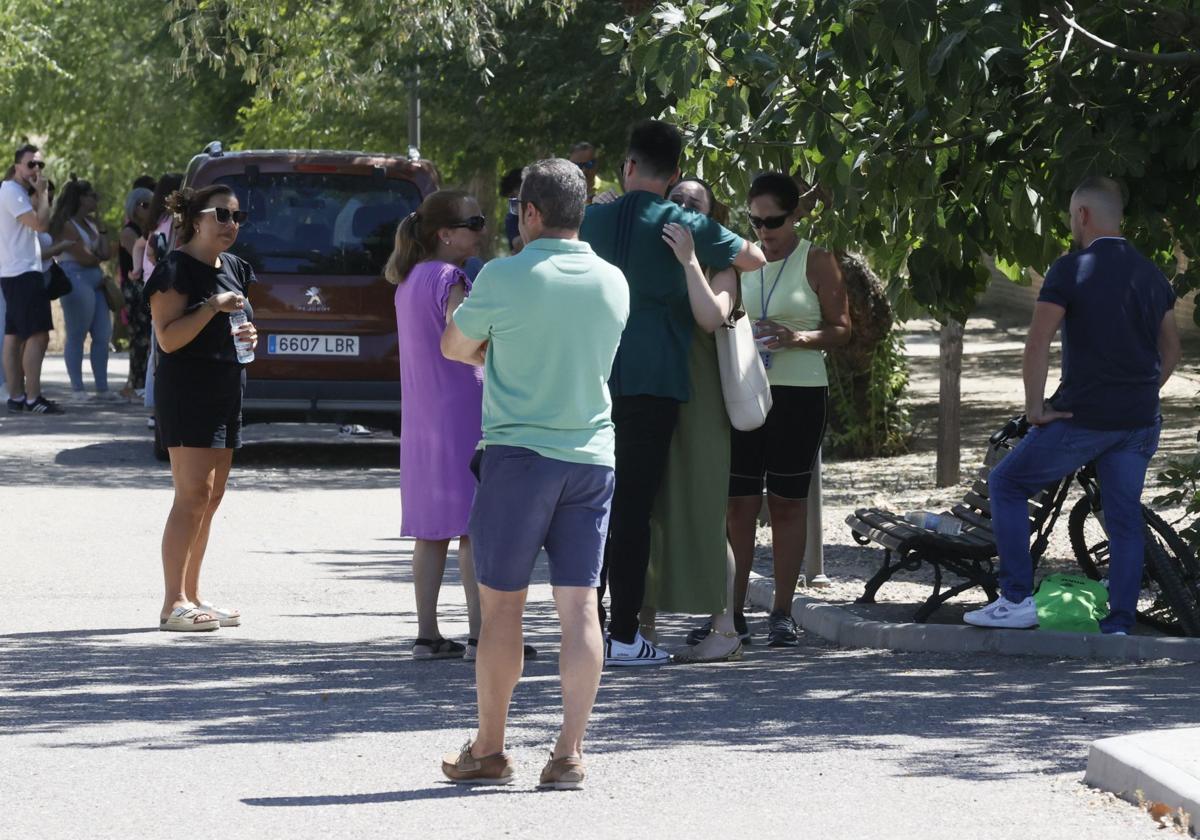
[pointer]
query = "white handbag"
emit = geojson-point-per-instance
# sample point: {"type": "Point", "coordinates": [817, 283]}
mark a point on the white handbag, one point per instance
{"type": "Point", "coordinates": [744, 382]}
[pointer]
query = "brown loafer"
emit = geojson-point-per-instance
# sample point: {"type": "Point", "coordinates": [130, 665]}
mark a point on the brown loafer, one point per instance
{"type": "Point", "coordinates": [564, 773]}
{"type": "Point", "coordinates": [464, 769]}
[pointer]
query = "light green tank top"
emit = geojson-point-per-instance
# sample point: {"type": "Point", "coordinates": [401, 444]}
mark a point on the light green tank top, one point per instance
{"type": "Point", "coordinates": [789, 300]}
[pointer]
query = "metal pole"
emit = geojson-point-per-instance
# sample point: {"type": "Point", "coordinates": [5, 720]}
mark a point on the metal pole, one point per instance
{"type": "Point", "coordinates": [814, 548]}
{"type": "Point", "coordinates": [414, 114]}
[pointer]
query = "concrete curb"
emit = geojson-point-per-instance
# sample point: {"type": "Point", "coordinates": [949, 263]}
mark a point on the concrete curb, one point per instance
{"type": "Point", "coordinates": [1139, 768]}
{"type": "Point", "coordinates": [844, 628]}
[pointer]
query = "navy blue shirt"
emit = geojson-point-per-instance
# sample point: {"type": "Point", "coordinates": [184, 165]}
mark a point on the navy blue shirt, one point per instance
{"type": "Point", "coordinates": [1115, 300]}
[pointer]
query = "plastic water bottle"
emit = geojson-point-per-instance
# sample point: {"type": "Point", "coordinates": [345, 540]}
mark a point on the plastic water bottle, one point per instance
{"type": "Point", "coordinates": [948, 525]}
{"type": "Point", "coordinates": [245, 350]}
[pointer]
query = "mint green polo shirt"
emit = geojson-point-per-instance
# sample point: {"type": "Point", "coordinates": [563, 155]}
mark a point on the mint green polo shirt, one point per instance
{"type": "Point", "coordinates": [653, 357]}
{"type": "Point", "coordinates": [552, 316]}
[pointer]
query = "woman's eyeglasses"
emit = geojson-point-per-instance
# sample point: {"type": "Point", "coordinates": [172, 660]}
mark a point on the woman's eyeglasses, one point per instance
{"type": "Point", "coordinates": [225, 215]}
{"type": "Point", "coordinates": [475, 223]}
{"type": "Point", "coordinates": [770, 222]}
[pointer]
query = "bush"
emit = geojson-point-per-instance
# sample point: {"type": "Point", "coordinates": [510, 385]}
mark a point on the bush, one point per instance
{"type": "Point", "coordinates": [868, 376]}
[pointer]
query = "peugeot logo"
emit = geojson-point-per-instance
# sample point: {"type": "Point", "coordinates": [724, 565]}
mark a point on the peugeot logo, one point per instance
{"type": "Point", "coordinates": [314, 296]}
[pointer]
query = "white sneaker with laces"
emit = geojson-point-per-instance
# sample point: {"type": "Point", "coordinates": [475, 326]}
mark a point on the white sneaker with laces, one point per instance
{"type": "Point", "coordinates": [77, 397]}
{"type": "Point", "coordinates": [1004, 613]}
{"type": "Point", "coordinates": [639, 653]}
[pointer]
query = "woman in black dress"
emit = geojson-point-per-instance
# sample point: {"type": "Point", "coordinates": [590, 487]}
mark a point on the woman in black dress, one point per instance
{"type": "Point", "coordinates": [198, 387]}
{"type": "Point", "coordinates": [137, 223]}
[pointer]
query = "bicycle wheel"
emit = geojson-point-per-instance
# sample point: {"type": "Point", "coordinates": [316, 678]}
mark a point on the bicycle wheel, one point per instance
{"type": "Point", "coordinates": [1165, 601]}
{"type": "Point", "coordinates": [1177, 547]}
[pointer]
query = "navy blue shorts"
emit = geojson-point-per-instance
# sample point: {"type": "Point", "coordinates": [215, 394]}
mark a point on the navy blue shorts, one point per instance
{"type": "Point", "coordinates": [27, 305]}
{"type": "Point", "coordinates": [526, 501]}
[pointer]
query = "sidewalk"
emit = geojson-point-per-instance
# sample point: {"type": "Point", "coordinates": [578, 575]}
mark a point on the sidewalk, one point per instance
{"type": "Point", "coordinates": [1157, 770]}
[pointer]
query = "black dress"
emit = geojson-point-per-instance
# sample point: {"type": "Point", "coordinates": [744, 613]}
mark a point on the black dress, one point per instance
{"type": "Point", "coordinates": [198, 388]}
{"type": "Point", "coordinates": [138, 312]}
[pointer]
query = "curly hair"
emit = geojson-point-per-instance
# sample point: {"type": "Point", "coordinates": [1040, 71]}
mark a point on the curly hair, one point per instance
{"type": "Point", "coordinates": [185, 206]}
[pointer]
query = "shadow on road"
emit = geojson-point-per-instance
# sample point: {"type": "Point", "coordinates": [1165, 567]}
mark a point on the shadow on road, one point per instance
{"type": "Point", "coordinates": [815, 698]}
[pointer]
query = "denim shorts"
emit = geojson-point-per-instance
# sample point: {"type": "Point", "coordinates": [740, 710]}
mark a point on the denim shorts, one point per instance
{"type": "Point", "coordinates": [526, 501]}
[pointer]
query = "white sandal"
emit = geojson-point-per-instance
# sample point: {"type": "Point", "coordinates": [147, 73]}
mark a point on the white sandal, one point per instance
{"type": "Point", "coordinates": [187, 619]}
{"type": "Point", "coordinates": [228, 618]}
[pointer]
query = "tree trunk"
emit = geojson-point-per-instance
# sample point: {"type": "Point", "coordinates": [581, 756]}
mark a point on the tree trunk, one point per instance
{"type": "Point", "coordinates": [949, 403]}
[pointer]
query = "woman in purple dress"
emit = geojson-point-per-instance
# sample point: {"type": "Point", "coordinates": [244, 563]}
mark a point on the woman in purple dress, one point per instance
{"type": "Point", "coordinates": [441, 405]}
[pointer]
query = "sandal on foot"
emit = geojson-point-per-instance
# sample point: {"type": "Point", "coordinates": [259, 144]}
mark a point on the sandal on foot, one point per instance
{"type": "Point", "coordinates": [437, 649]}
{"type": "Point", "coordinates": [473, 649]}
{"type": "Point", "coordinates": [188, 619]}
{"type": "Point", "coordinates": [228, 618]}
{"type": "Point", "coordinates": [715, 647]}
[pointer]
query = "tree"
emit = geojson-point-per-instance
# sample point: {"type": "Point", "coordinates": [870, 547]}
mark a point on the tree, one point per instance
{"type": "Point", "coordinates": [499, 89]}
{"type": "Point", "coordinates": [942, 134]}
{"type": "Point", "coordinates": [98, 86]}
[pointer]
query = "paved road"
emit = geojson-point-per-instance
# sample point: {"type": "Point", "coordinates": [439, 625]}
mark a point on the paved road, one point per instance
{"type": "Point", "coordinates": [311, 721]}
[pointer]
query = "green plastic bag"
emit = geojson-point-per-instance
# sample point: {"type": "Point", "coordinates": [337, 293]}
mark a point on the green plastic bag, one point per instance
{"type": "Point", "coordinates": [1070, 603]}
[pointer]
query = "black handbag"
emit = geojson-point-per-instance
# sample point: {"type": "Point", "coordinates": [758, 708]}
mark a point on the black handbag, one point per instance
{"type": "Point", "coordinates": [59, 284]}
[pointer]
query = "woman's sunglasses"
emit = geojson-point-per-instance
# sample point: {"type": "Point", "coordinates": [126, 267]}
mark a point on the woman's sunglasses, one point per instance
{"type": "Point", "coordinates": [770, 222]}
{"type": "Point", "coordinates": [225, 215]}
{"type": "Point", "coordinates": [475, 223]}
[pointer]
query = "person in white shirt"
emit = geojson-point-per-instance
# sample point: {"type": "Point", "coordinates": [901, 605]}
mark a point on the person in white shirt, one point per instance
{"type": "Point", "coordinates": [27, 321]}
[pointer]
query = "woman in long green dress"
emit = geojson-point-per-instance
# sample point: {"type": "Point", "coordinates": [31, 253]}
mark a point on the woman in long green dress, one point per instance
{"type": "Point", "coordinates": [690, 562]}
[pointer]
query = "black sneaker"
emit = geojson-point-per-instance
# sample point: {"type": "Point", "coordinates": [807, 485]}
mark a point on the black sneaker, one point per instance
{"type": "Point", "coordinates": [42, 406]}
{"type": "Point", "coordinates": [701, 633]}
{"type": "Point", "coordinates": [16, 406]}
{"type": "Point", "coordinates": [782, 631]}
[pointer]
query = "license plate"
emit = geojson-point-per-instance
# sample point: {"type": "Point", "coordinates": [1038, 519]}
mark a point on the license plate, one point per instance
{"type": "Point", "coordinates": [312, 345]}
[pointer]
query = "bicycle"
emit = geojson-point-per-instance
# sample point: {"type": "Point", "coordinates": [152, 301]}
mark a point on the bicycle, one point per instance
{"type": "Point", "coordinates": [1171, 572]}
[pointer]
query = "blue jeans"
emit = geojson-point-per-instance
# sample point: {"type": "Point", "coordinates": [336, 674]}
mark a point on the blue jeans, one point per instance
{"type": "Point", "coordinates": [85, 309]}
{"type": "Point", "coordinates": [1047, 454]}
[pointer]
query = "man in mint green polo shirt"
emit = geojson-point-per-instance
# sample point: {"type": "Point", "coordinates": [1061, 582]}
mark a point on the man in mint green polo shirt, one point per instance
{"type": "Point", "coordinates": [650, 374]}
{"type": "Point", "coordinates": [545, 324]}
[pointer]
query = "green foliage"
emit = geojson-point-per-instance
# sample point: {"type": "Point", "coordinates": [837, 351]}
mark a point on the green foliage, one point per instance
{"type": "Point", "coordinates": [867, 416]}
{"type": "Point", "coordinates": [97, 89]}
{"type": "Point", "coordinates": [1182, 480]}
{"type": "Point", "coordinates": [939, 132]}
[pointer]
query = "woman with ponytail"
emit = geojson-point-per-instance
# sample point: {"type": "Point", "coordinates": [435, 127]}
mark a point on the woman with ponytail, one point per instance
{"type": "Point", "coordinates": [441, 405]}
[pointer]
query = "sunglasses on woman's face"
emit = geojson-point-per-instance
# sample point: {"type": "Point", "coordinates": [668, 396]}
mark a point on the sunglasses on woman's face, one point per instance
{"type": "Point", "coordinates": [770, 222]}
{"type": "Point", "coordinates": [225, 215]}
{"type": "Point", "coordinates": [475, 223]}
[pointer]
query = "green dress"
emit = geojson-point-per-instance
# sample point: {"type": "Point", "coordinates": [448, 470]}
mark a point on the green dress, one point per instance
{"type": "Point", "coordinates": [687, 528]}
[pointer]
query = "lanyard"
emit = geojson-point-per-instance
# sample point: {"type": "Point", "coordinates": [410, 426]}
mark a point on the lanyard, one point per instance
{"type": "Point", "coordinates": [762, 285]}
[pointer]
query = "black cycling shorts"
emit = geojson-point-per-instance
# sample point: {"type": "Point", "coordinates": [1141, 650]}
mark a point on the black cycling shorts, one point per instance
{"type": "Point", "coordinates": [784, 451]}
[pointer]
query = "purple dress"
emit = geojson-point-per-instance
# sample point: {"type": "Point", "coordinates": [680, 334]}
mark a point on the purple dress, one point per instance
{"type": "Point", "coordinates": [441, 408]}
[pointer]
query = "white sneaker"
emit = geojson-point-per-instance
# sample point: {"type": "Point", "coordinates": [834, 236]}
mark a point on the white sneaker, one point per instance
{"type": "Point", "coordinates": [1004, 613]}
{"type": "Point", "coordinates": [108, 396]}
{"type": "Point", "coordinates": [640, 652]}
{"type": "Point", "coordinates": [77, 397]}
{"type": "Point", "coordinates": [354, 430]}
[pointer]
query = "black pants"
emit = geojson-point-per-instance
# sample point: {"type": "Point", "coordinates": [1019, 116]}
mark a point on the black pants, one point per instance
{"type": "Point", "coordinates": [644, 425]}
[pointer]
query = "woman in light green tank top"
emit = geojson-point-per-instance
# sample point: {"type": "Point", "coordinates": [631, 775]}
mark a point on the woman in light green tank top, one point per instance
{"type": "Point", "coordinates": [798, 301]}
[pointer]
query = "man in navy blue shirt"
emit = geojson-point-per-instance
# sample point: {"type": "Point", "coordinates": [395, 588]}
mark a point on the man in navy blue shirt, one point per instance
{"type": "Point", "coordinates": [1120, 344]}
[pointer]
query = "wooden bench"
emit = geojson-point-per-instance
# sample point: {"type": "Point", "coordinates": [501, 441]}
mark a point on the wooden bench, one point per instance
{"type": "Point", "coordinates": [970, 556]}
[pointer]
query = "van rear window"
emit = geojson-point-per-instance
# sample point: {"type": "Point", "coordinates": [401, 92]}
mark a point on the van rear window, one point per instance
{"type": "Point", "coordinates": [320, 223]}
